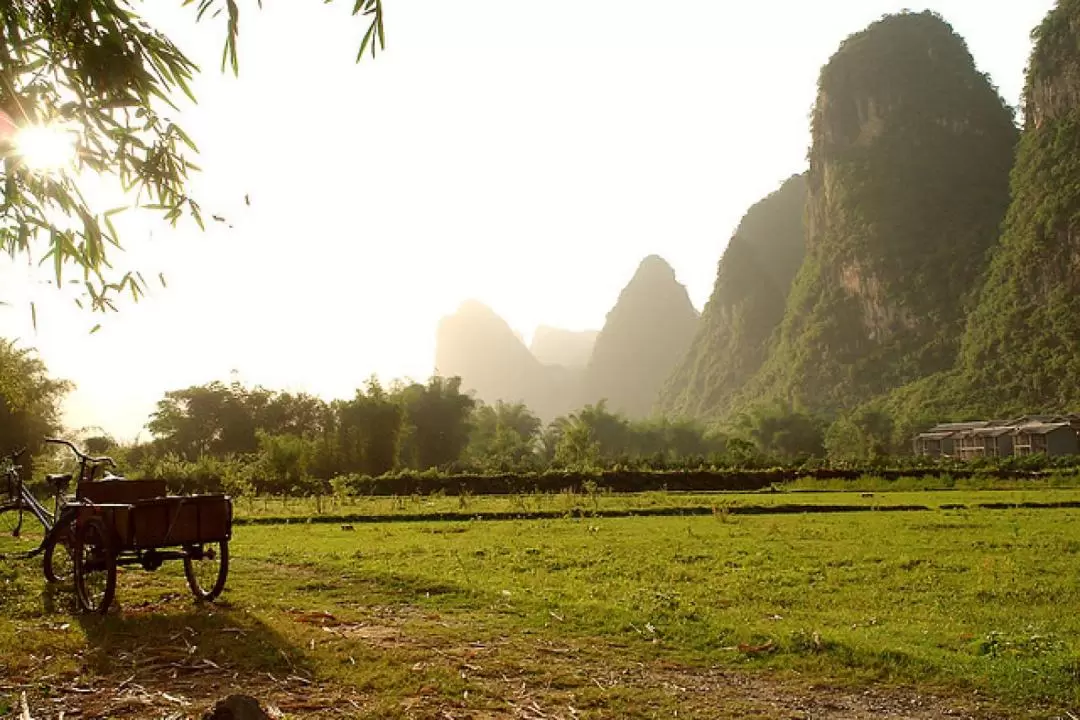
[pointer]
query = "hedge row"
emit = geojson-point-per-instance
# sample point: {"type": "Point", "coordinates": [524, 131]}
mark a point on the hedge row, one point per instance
{"type": "Point", "coordinates": [630, 481]}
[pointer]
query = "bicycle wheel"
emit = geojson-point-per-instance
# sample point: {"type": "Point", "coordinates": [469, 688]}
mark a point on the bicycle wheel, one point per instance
{"type": "Point", "coordinates": [95, 567]}
{"type": "Point", "coordinates": [58, 559]}
{"type": "Point", "coordinates": [206, 576]}
{"type": "Point", "coordinates": [11, 517]}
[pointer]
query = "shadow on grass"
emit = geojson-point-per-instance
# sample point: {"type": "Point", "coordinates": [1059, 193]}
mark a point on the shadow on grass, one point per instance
{"type": "Point", "coordinates": [181, 640]}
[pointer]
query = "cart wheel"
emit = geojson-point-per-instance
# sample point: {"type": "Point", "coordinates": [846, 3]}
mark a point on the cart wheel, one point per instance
{"type": "Point", "coordinates": [10, 520]}
{"type": "Point", "coordinates": [58, 560]}
{"type": "Point", "coordinates": [206, 576]}
{"type": "Point", "coordinates": [95, 567]}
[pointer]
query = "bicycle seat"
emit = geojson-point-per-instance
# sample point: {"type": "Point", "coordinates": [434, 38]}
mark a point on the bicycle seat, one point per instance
{"type": "Point", "coordinates": [58, 481]}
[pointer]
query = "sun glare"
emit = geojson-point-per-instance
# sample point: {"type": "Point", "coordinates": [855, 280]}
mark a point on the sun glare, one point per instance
{"type": "Point", "coordinates": [46, 147]}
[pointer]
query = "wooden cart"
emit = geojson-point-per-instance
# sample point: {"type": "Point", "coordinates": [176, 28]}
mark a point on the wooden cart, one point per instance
{"type": "Point", "coordinates": [135, 522]}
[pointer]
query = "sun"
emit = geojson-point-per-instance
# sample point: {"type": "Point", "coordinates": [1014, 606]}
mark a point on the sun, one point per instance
{"type": "Point", "coordinates": [45, 148]}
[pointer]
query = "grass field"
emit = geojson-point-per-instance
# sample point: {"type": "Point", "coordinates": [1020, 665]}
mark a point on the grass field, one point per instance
{"type": "Point", "coordinates": [968, 611]}
{"type": "Point", "coordinates": [869, 494]}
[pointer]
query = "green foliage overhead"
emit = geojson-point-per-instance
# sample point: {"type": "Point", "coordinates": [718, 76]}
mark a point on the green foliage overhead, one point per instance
{"type": "Point", "coordinates": [908, 184]}
{"type": "Point", "coordinates": [747, 305]}
{"type": "Point", "coordinates": [98, 68]}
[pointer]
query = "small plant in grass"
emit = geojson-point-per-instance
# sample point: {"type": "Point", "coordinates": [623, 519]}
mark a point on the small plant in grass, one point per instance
{"type": "Point", "coordinates": [592, 490]}
{"type": "Point", "coordinates": [517, 502]}
{"type": "Point", "coordinates": [721, 511]}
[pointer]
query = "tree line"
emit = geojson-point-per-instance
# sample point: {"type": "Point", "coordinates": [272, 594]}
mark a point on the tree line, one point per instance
{"type": "Point", "coordinates": [266, 441]}
{"type": "Point", "coordinates": [261, 441]}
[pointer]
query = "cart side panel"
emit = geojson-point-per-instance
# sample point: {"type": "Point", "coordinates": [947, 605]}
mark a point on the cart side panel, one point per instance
{"type": "Point", "coordinates": [115, 516]}
{"type": "Point", "coordinates": [184, 520]}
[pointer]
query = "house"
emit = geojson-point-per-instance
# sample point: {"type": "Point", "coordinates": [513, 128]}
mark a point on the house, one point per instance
{"type": "Point", "coordinates": [994, 440]}
{"type": "Point", "coordinates": [940, 440]}
{"type": "Point", "coordinates": [1049, 438]}
{"type": "Point", "coordinates": [1026, 435]}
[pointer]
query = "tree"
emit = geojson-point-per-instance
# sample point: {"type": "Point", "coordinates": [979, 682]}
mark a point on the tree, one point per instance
{"type": "Point", "coordinates": [778, 430]}
{"type": "Point", "coordinates": [96, 68]}
{"type": "Point", "coordinates": [577, 445]}
{"type": "Point", "coordinates": [504, 435]}
{"type": "Point", "coordinates": [212, 419]}
{"type": "Point", "coordinates": [369, 431]}
{"type": "Point", "coordinates": [29, 400]}
{"type": "Point", "coordinates": [866, 434]}
{"type": "Point", "coordinates": [98, 444]}
{"type": "Point", "coordinates": [283, 460]}
{"type": "Point", "coordinates": [438, 418]}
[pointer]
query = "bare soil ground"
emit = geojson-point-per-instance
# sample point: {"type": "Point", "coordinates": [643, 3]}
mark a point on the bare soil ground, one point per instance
{"type": "Point", "coordinates": [519, 677]}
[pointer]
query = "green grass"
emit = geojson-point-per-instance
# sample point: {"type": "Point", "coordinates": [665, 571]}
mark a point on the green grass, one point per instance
{"type": "Point", "coordinates": [956, 601]}
{"type": "Point", "coordinates": [933, 492]}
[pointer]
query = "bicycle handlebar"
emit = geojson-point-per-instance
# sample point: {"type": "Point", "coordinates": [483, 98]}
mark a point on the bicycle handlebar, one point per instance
{"type": "Point", "coordinates": [80, 453]}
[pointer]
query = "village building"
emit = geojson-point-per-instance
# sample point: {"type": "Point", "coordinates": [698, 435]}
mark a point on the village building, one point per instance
{"type": "Point", "coordinates": [985, 442]}
{"type": "Point", "coordinates": [1026, 435]}
{"type": "Point", "coordinates": [1048, 438]}
{"type": "Point", "coordinates": [940, 440]}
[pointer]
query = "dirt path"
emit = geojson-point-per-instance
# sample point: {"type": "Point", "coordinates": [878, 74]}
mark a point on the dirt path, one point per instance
{"type": "Point", "coordinates": [520, 678]}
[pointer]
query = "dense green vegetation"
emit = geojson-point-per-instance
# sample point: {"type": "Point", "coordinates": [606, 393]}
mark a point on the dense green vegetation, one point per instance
{"type": "Point", "coordinates": [1019, 351]}
{"type": "Point", "coordinates": [413, 438]}
{"type": "Point", "coordinates": [746, 307]}
{"type": "Point", "coordinates": [908, 184]}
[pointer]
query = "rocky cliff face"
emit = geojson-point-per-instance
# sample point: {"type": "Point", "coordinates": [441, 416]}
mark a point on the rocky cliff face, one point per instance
{"type": "Point", "coordinates": [1020, 350]}
{"type": "Point", "coordinates": [480, 347]}
{"type": "Point", "coordinates": [908, 183]}
{"type": "Point", "coordinates": [1052, 92]}
{"type": "Point", "coordinates": [646, 333]}
{"type": "Point", "coordinates": [555, 346]}
{"type": "Point", "coordinates": [746, 306]}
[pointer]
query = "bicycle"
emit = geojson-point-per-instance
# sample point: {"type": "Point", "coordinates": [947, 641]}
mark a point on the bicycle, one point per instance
{"type": "Point", "coordinates": [21, 502]}
{"type": "Point", "coordinates": [111, 522]}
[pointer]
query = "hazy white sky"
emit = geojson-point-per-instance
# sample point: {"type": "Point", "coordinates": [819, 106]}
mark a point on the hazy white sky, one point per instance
{"type": "Point", "coordinates": [525, 154]}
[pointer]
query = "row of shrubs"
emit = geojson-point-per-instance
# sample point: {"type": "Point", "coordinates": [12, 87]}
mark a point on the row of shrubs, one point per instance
{"type": "Point", "coordinates": [233, 480]}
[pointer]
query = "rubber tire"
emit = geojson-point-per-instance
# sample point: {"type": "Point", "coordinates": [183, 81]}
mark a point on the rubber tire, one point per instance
{"type": "Point", "coordinates": [97, 526]}
{"type": "Point", "coordinates": [201, 594]}
{"type": "Point", "coordinates": [47, 560]}
{"type": "Point", "coordinates": [13, 507]}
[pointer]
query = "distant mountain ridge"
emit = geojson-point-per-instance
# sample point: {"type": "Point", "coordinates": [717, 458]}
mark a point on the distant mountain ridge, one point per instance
{"type": "Point", "coordinates": [480, 347]}
{"type": "Point", "coordinates": [569, 348]}
{"type": "Point", "coordinates": [625, 363]}
{"type": "Point", "coordinates": [645, 336]}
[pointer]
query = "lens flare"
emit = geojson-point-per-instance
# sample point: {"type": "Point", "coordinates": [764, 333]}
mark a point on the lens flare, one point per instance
{"type": "Point", "coordinates": [45, 147]}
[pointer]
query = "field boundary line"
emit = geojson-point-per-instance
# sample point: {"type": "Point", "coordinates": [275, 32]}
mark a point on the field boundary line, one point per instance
{"type": "Point", "coordinates": [693, 511]}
